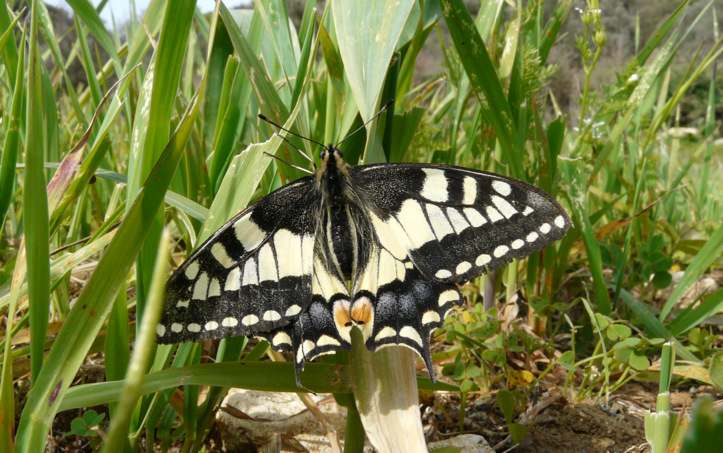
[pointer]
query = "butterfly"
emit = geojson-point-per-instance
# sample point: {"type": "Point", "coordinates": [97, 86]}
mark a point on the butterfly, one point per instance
{"type": "Point", "coordinates": [383, 247]}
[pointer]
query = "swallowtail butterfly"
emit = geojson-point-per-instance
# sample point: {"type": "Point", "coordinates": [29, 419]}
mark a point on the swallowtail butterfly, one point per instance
{"type": "Point", "coordinates": [383, 247]}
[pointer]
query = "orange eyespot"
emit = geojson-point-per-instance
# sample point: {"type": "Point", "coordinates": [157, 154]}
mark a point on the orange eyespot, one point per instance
{"type": "Point", "coordinates": [362, 312]}
{"type": "Point", "coordinates": [341, 313]}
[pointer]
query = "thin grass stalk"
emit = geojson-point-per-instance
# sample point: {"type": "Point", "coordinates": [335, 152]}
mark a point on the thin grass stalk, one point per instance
{"type": "Point", "coordinates": [481, 72]}
{"type": "Point", "coordinates": [629, 235]}
{"type": "Point", "coordinates": [142, 352]}
{"type": "Point", "coordinates": [588, 18]}
{"type": "Point", "coordinates": [709, 253]}
{"type": "Point", "coordinates": [11, 145]}
{"type": "Point", "coordinates": [87, 61]}
{"type": "Point", "coordinates": [7, 390]}
{"type": "Point", "coordinates": [355, 434]}
{"type": "Point", "coordinates": [712, 56]}
{"type": "Point", "coordinates": [117, 342]}
{"type": "Point", "coordinates": [10, 53]}
{"type": "Point", "coordinates": [709, 128]}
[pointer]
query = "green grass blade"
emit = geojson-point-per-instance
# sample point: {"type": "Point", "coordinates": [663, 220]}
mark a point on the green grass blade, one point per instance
{"type": "Point", "coordinates": [9, 31]}
{"type": "Point", "coordinates": [228, 120]}
{"type": "Point", "coordinates": [648, 75]}
{"type": "Point", "coordinates": [692, 317]}
{"type": "Point", "coordinates": [142, 351]}
{"type": "Point", "coordinates": [264, 376]}
{"type": "Point", "coordinates": [117, 341]}
{"type": "Point", "coordinates": [709, 130]}
{"type": "Point", "coordinates": [620, 268]}
{"type": "Point", "coordinates": [9, 159]}
{"type": "Point", "coordinates": [482, 73]}
{"type": "Point", "coordinates": [58, 185]}
{"type": "Point", "coordinates": [306, 39]}
{"type": "Point", "coordinates": [190, 207]}
{"type": "Point", "coordinates": [35, 200]}
{"type": "Point", "coordinates": [87, 60]}
{"type": "Point", "coordinates": [552, 28]}
{"type": "Point", "coordinates": [710, 252]}
{"type": "Point", "coordinates": [95, 302]}
{"type": "Point", "coordinates": [659, 35]}
{"type": "Point", "coordinates": [286, 48]}
{"type": "Point", "coordinates": [487, 16]}
{"type": "Point", "coordinates": [654, 326]}
{"type": "Point", "coordinates": [87, 13]}
{"type": "Point", "coordinates": [268, 99]}
{"type": "Point", "coordinates": [241, 181]}
{"type": "Point", "coordinates": [572, 174]}
{"type": "Point", "coordinates": [153, 124]}
{"type": "Point", "coordinates": [10, 53]}
{"type": "Point", "coordinates": [7, 390]}
{"type": "Point", "coordinates": [11, 145]}
{"type": "Point", "coordinates": [63, 265]}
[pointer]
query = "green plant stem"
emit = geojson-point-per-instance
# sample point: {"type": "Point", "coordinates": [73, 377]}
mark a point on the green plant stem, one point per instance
{"type": "Point", "coordinates": [586, 89]}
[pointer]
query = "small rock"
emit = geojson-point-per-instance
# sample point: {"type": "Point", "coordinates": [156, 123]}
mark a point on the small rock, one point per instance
{"type": "Point", "coordinates": [469, 443]}
{"type": "Point", "coordinates": [273, 414]}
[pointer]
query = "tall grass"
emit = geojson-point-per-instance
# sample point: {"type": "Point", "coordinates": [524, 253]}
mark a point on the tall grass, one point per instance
{"type": "Point", "coordinates": [176, 145]}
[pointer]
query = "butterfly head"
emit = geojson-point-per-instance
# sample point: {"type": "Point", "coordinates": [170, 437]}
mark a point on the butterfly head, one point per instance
{"type": "Point", "coordinates": [333, 173]}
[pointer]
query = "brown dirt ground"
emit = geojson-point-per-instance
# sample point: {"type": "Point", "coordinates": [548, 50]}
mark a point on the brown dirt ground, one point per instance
{"type": "Point", "coordinates": [554, 425]}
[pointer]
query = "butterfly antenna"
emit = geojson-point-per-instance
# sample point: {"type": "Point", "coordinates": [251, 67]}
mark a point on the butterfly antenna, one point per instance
{"type": "Point", "coordinates": [296, 148]}
{"type": "Point", "coordinates": [289, 163]}
{"type": "Point", "coordinates": [386, 106]}
{"type": "Point", "coordinates": [293, 133]}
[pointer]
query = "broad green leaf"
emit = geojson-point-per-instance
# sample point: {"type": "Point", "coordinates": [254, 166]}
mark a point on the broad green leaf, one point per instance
{"type": "Point", "coordinates": [35, 200]}
{"type": "Point", "coordinates": [367, 32]}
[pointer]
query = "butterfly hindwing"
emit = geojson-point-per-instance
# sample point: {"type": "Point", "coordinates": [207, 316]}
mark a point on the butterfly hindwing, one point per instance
{"type": "Point", "coordinates": [402, 306]}
{"type": "Point", "coordinates": [455, 223]}
{"type": "Point", "coordinates": [254, 274]}
{"type": "Point", "coordinates": [322, 328]}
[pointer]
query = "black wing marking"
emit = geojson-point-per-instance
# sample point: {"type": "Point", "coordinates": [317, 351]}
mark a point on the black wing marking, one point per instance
{"type": "Point", "coordinates": [406, 307]}
{"type": "Point", "coordinates": [254, 274]}
{"type": "Point", "coordinates": [455, 223]}
{"type": "Point", "coordinates": [321, 329]}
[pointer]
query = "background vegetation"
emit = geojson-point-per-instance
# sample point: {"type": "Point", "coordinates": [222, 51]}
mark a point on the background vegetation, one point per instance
{"type": "Point", "coordinates": [111, 137]}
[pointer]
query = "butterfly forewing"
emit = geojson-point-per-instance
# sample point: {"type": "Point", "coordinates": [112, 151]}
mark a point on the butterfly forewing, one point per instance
{"type": "Point", "coordinates": [254, 274]}
{"type": "Point", "coordinates": [455, 223]}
